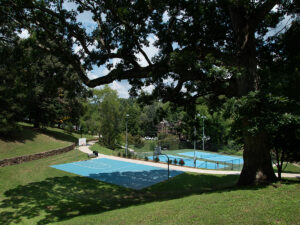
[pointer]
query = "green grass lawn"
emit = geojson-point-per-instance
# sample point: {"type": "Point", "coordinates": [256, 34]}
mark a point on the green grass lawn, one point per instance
{"type": "Point", "coordinates": [106, 151]}
{"type": "Point", "coordinates": [28, 141]}
{"type": "Point", "coordinates": [290, 168]}
{"type": "Point", "coordinates": [34, 193]}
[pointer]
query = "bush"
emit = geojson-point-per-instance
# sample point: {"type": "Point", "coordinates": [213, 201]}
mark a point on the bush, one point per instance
{"type": "Point", "coordinates": [156, 159]}
{"type": "Point", "coordinates": [124, 155]}
{"type": "Point", "coordinates": [119, 154]}
{"type": "Point", "coordinates": [175, 161]}
{"type": "Point", "coordinates": [138, 142]}
{"type": "Point", "coordinates": [152, 145]}
{"type": "Point", "coordinates": [146, 158]}
{"type": "Point", "coordinates": [181, 162]}
{"type": "Point", "coordinates": [69, 127]}
{"type": "Point", "coordinates": [129, 155]}
{"type": "Point", "coordinates": [170, 161]}
{"type": "Point", "coordinates": [169, 141]}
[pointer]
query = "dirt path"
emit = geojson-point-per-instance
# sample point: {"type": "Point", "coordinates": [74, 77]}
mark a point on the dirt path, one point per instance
{"type": "Point", "coordinates": [86, 149]}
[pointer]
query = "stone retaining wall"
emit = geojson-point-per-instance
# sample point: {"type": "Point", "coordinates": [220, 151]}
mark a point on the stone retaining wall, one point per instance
{"type": "Point", "coordinates": [27, 158]}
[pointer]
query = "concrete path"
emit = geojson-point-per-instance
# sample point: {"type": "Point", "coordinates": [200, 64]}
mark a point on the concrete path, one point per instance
{"type": "Point", "coordinates": [86, 149]}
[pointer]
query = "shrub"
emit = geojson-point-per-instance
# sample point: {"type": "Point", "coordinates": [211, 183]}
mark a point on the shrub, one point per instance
{"type": "Point", "coordinates": [119, 154]}
{"type": "Point", "coordinates": [138, 142]}
{"type": "Point", "coordinates": [129, 155]}
{"type": "Point", "coordinates": [156, 159]}
{"type": "Point", "coordinates": [181, 162]}
{"type": "Point", "coordinates": [170, 161]}
{"type": "Point", "coordinates": [124, 155]}
{"type": "Point", "coordinates": [146, 158]}
{"type": "Point", "coordinates": [175, 161]}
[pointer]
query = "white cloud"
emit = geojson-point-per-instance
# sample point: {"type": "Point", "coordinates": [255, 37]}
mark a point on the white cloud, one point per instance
{"type": "Point", "coordinates": [92, 75]}
{"type": "Point", "coordinates": [166, 17]}
{"type": "Point", "coordinates": [281, 27]}
{"type": "Point", "coordinates": [148, 89]}
{"type": "Point", "coordinates": [150, 50]}
{"type": "Point", "coordinates": [121, 87]}
{"type": "Point", "coordinates": [24, 34]}
{"type": "Point", "coordinates": [170, 81]}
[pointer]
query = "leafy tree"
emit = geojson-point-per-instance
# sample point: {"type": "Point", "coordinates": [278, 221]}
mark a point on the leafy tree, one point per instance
{"type": "Point", "coordinates": [150, 118]}
{"type": "Point", "coordinates": [108, 109]}
{"type": "Point", "coordinates": [284, 117]}
{"type": "Point", "coordinates": [131, 108]}
{"type": "Point", "coordinates": [200, 60]}
{"type": "Point", "coordinates": [53, 91]}
{"type": "Point", "coordinates": [11, 97]}
{"type": "Point", "coordinates": [90, 120]}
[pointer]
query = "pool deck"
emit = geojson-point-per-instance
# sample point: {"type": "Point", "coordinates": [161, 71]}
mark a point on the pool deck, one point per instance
{"type": "Point", "coordinates": [86, 149]}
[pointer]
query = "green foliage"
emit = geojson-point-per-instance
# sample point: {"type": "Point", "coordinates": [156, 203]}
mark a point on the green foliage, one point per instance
{"type": "Point", "coordinates": [175, 161]}
{"type": "Point", "coordinates": [181, 162]}
{"type": "Point", "coordinates": [193, 59]}
{"type": "Point", "coordinates": [146, 158]}
{"type": "Point", "coordinates": [169, 141]}
{"type": "Point", "coordinates": [138, 142]}
{"type": "Point", "coordinates": [150, 117]}
{"type": "Point", "coordinates": [103, 116]}
{"type": "Point", "coordinates": [156, 159]}
{"type": "Point", "coordinates": [38, 87]}
{"type": "Point", "coordinates": [11, 97]}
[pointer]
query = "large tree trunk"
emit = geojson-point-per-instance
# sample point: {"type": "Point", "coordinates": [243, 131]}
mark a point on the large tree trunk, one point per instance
{"type": "Point", "coordinates": [257, 160]}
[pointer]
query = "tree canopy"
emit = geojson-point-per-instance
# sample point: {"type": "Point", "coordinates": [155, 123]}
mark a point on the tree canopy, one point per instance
{"type": "Point", "coordinates": [206, 48]}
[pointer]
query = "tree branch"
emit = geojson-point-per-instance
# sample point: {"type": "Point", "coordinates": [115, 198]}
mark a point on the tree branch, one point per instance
{"type": "Point", "coordinates": [263, 10]}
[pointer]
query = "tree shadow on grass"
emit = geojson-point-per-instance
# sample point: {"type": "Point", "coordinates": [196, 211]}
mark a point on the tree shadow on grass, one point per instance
{"type": "Point", "coordinates": [63, 136]}
{"type": "Point", "coordinates": [20, 134]}
{"type": "Point", "coordinates": [61, 198]}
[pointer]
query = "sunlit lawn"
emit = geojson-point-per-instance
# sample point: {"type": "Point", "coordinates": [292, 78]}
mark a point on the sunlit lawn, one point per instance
{"type": "Point", "coordinates": [28, 141]}
{"type": "Point", "coordinates": [34, 193]}
{"type": "Point", "coordinates": [290, 168]}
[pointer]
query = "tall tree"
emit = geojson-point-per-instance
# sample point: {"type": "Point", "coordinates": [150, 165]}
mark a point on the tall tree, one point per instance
{"type": "Point", "coordinates": [198, 59]}
{"type": "Point", "coordinates": [110, 121]}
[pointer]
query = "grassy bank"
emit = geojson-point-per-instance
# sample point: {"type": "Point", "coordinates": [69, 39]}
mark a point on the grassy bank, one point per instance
{"type": "Point", "coordinates": [34, 193]}
{"type": "Point", "coordinates": [106, 151]}
{"type": "Point", "coordinates": [290, 168]}
{"type": "Point", "coordinates": [28, 140]}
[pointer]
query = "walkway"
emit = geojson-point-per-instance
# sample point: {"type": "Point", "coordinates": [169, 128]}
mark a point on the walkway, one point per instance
{"type": "Point", "coordinates": [86, 149]}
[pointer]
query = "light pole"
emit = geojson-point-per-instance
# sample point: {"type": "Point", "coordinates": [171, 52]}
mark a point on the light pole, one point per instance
{"type": "Point", "coordinates": [195, 140]}
{"type": "Point", "coordinates": [203, 135]}
{"type": "Point", "coordinates": [126, 145]}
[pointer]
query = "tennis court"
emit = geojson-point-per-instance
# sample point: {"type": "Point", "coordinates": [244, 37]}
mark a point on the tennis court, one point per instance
{"type": "Point", "coordinates": [214, 157]}
{"type": "Point", "coordinates": [190, 162]}
{"type": "Point", "coordinates": [126, 174]}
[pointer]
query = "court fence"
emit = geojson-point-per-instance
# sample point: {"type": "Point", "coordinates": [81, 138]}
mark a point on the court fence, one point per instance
{"type": "Point", "coordinates": [233, 164]}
